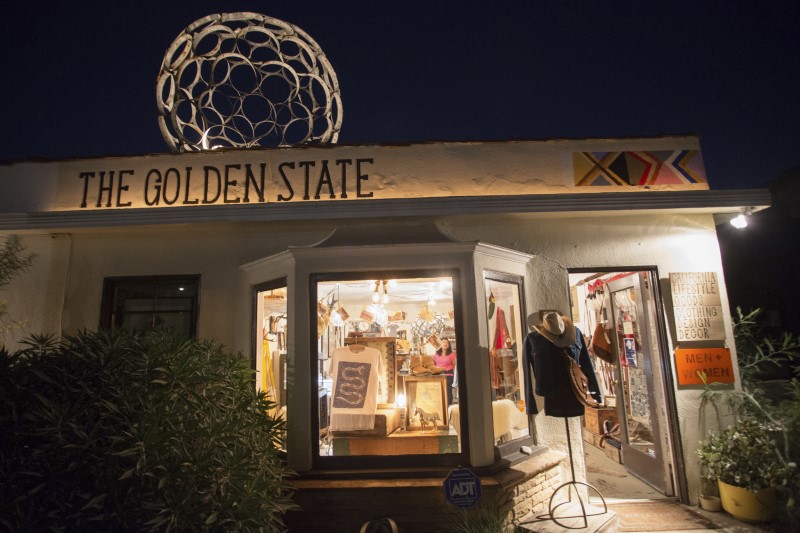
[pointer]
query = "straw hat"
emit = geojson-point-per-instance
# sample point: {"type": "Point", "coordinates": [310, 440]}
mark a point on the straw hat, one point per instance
{"type": "Point", "coordinates": [557, 328]}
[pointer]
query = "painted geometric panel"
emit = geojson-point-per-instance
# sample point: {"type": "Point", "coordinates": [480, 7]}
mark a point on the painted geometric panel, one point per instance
{"type": "Point", "coordinates": [638, 169]}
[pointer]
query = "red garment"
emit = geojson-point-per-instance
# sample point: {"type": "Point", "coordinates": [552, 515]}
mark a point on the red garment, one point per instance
{"type": "Point", "coordinates": [501, 338]}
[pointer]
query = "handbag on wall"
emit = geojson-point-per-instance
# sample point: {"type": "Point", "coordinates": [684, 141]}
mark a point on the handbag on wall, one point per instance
{"type": "Point", "coordinates": [601, 344]}
{"type": "Point", "coordinates": [579, 381]}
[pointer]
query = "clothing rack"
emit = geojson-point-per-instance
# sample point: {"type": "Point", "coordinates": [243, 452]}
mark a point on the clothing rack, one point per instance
{"type": "Point", "coordinates": [602, 282]}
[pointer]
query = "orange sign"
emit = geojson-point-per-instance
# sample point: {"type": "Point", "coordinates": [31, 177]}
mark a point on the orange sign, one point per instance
{"type": "Point", "coordinates": [715, 363]}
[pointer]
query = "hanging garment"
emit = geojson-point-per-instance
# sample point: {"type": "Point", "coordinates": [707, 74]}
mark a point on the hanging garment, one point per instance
{"type": "Point", "coordinates": [355, 388]}
{"type": "Point", "coordinates": [546, 360]}
{"type": "Point", "coordinates": [502, 339]}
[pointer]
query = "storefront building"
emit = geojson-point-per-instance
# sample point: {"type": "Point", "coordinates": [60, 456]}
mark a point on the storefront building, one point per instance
{"type": "Point", "coordinates": [310, 260]}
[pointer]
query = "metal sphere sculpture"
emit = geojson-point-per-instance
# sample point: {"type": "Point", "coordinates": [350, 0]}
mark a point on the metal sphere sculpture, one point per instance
{"type": "Point", "coordinates": [242, 80]}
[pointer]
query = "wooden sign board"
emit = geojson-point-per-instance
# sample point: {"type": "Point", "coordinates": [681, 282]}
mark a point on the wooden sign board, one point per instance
{"type": "Point", "coordinates": [697, 306]}
{"type": "Point", "coordinates": [715, 363]}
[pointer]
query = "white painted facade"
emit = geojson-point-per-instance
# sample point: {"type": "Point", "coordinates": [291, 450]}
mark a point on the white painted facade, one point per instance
{"type": "Point", "coordinates": [519, 196]}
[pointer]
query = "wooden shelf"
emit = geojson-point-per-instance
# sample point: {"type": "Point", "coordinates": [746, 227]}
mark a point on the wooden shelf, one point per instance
{"type": "Point", "coordinates": [398, 443]}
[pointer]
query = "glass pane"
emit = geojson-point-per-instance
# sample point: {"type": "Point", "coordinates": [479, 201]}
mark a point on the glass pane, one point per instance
{"type": "Point", "coordinates": [177, 289]}
{"type": "Point", "coordinates": [137, 321]}
{"type": "Point", "coordinates": [387, 367]}
{"type": "Point", "coordinates": [174, 304]}
{"type": "Point", "coordinates": [271, 357]}
{"type": "Point", "coordinates": [506, 359]}
{"type": "Point", "coordinates": [634, 379]}
{"type": "Point", "coordinates": [137, 305]}
{"type": "Point", "coordinates": [141, 304]}
{"type": "Point", "coordinates": [131, 290]}
{"type": "Point", "coordinates": [180, 323]}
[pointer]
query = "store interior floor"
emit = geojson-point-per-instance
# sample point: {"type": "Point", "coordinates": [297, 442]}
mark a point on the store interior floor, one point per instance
{"type": "Point", "coordinates": [612, 480]}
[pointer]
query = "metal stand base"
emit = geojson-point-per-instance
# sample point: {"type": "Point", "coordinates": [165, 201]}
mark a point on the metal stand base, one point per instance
{"type": "Point", "coordinates": [572, 487]}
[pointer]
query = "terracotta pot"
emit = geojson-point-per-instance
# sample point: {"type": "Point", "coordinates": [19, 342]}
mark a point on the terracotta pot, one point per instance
{"type": "Point", "coordinates": [710, 503]}
{"type": "Point", "coordinates": [747, 505]}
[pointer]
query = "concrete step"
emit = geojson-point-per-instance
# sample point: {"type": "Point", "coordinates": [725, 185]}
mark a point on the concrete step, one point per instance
{"type": "Point", "coordinates": [569, 516]}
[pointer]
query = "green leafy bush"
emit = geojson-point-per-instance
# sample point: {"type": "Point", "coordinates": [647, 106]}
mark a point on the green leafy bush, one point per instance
{"type": "Point", "coordinates": [761, 447]}
{"type": "Point", "coordinates": [115, 431]}
{"type": "Point", "coordinates": [744, 455]}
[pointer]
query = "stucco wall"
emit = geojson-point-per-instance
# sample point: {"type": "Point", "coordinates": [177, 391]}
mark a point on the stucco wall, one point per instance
{"type": "Point", "coordinates": [35, 297]}
{"type": "Point", "coordinates": [212, 251]}
{"type": "Point", "coordinates": [353, 173]}
{"type": "Point", "coordinates": [672, 242]}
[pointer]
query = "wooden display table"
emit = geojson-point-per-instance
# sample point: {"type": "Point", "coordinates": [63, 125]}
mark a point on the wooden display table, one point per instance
{"type": "Point", "coordinates": [398, 443]}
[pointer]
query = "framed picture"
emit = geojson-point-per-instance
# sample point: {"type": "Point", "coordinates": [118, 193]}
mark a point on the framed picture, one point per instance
{"type": "Point", "coordinates": [426, 402]}
{"type": "Point", "coordinates": [434, 341]}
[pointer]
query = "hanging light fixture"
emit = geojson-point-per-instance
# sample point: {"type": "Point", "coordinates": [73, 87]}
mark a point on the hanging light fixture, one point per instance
{"type": "Point", "coordinates": [381, 296]}
{"type": "Point", "coordinates": [376, 297]}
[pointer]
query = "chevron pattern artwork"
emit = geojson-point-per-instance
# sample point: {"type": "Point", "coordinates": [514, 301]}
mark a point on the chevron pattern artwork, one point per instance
{"type": "Point", "coordinates": [638, 169]}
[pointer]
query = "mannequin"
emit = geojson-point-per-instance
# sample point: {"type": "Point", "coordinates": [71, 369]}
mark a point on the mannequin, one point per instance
{"type": "Point", "coordinates": [544, 350]}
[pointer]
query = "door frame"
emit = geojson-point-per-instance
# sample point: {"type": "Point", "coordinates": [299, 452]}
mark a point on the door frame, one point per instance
{"type": "Point", "coordinates": [680, 481]}
{"type": "Point", "coordinates": [654, 469]}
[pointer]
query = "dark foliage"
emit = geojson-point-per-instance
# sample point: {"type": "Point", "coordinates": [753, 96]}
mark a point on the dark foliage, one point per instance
{"type": "Point", "coordinates": [115, 431]}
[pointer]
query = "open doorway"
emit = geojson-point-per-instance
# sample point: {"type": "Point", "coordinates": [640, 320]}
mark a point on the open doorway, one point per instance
{"type": "Point", "coordinates": [627, 440]}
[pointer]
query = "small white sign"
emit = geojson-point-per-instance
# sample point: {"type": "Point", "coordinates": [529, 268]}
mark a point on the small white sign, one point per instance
{"type": "Point", "coordinates": [697, 306]}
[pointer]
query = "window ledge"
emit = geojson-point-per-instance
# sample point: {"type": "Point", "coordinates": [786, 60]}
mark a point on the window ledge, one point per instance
{"type": "Point", "coordinates": [521, 471]}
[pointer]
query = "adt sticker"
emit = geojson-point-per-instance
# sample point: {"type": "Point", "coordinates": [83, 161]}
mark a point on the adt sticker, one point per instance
{"type": "Point", "coordinates": [462, 488]}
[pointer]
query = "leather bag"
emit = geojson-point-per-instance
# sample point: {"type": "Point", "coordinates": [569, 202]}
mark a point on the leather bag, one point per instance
{"type": "Point", "coordinates": [579, 381]}
{"type": "Point", "coordinates": [601, 344]}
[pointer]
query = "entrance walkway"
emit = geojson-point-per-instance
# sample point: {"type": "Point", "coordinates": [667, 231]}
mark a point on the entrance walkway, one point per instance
{"type": "Point", "coordinates": [636, 507]}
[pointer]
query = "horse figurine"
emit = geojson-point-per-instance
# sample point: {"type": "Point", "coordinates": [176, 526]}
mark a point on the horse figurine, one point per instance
{"type": "Point", "coordinates": [426, 418]}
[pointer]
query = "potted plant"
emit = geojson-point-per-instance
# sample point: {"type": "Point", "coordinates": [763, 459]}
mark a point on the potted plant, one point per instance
{"type": "Point", "coordinates": [750, 471]}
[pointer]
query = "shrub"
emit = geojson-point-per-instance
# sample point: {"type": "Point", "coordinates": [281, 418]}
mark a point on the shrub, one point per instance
{"type": "Point", "coordinates": [760, 448]}
{"type": "Point", "coordinates": [13, 262]}
{"type": "Point", "coordinates": [744, 455]}
{"type": "Point", "coordinates": [116, 431]}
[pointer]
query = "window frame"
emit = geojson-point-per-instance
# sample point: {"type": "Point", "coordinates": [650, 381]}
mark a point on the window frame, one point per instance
{"type": "Point", "coordinates": [511, 450]}
{"type": "Point", "coordinates": [110, 304]}
{"type": "Point", "coordinates": [440, 460]}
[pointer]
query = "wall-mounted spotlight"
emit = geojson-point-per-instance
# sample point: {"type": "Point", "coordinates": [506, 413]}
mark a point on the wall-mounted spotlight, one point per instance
{"type": "Point", "coordinates": [740, 220]}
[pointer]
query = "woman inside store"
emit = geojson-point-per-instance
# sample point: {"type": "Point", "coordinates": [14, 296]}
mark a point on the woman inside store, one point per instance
{"type": "Point", "coordinates": [445, 358]}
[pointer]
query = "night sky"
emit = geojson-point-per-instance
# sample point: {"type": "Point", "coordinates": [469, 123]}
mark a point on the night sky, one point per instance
{"type": "Point", "coordinates": [78, 78]}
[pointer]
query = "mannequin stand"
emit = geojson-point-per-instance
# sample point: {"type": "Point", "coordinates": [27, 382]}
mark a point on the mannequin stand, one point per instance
{"type": "Point", "coordinates": [572, 487]}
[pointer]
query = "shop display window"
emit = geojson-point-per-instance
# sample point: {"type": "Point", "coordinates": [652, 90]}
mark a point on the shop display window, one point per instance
{"type": "Point", "coordinates": [504, 313]}
{"type": "Point", "coordinates": [386, 364]}
{"type": "Point", "coordinates": [271, 344]}
{"type": "Point", "coordinates": [152, 302]}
